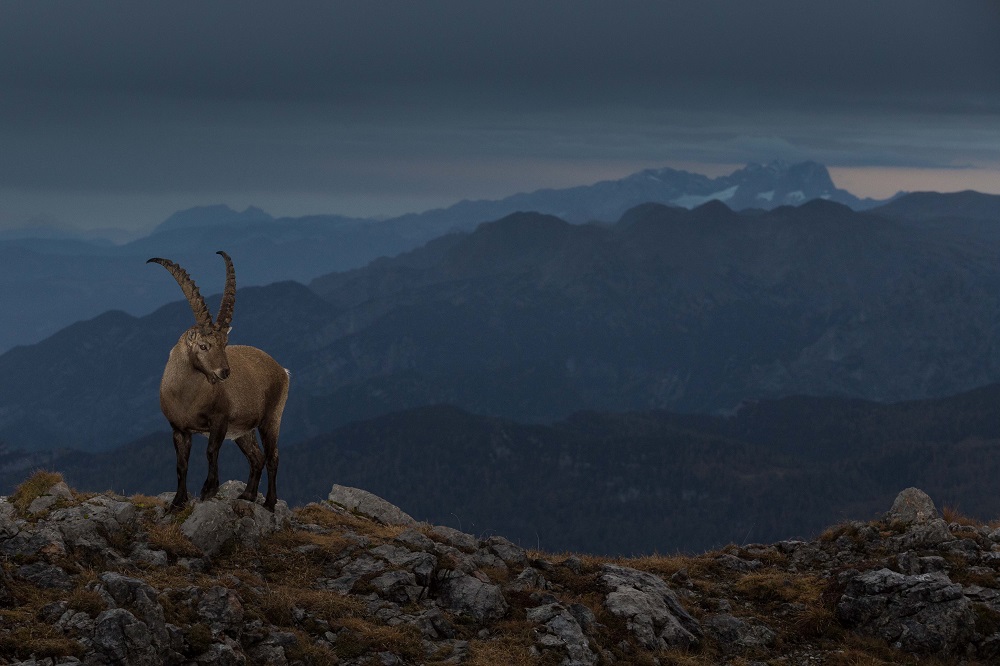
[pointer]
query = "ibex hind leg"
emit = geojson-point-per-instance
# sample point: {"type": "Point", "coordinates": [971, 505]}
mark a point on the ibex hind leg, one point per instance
{"type": "Point", "coordinates": [269, 437]}
{"type": "Point", "coordinates": [182, 447]}
{"type": "Point", "coordinates": [248, 445]}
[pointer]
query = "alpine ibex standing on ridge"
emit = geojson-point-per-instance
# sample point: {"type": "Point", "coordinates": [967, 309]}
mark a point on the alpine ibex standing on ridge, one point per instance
{"type": "Point", "coordinates": [224, 392]}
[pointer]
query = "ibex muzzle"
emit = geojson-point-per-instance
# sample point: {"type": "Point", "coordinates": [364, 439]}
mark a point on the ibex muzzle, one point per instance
{"type": "Point", "coordinates": [225, 392]}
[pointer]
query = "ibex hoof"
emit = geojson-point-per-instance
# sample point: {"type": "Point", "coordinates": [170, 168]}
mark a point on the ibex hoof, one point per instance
{"type": "Point", "coordinates": [208, 494]}
{"type": "Point", "coordinates": [247, 496]}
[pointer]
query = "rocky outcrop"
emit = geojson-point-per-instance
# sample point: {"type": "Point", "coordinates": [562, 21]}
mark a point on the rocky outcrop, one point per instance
{"type": "Point", "coordinates": [367, 504]}
{"type": "Point", "coordinates": [213, 526]}
{"type": "Point", "coordinates": [650, 609]}
{"type": "Point", "coordinates": [926, 613]}
{"type": "Point", "coordinates": [912, 506]}
{"type": "Point", "coordinates": [115, 580]}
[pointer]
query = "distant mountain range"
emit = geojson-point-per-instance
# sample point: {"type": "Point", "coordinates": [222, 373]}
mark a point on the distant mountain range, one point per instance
{"type": "Point", "coordinates": [51, 278]}
{"type": "Point", "coordinates": [623, 484]}
{"type": "Point", "coordinates": [532, 318]}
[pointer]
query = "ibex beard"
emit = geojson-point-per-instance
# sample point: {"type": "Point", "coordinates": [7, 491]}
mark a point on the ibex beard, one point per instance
{"type": "Point", "coordinates": [223, 391]}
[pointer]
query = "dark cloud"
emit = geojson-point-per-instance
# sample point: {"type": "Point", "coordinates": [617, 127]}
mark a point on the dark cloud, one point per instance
{"type": "Point", "coordinates": [414, 99]}
{"type": "Point", "coordinates": [360, 52]}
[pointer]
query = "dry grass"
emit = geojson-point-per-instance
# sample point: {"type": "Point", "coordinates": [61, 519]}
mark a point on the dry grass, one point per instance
{"type": "Point", "coordinates": [169, 538]}
{"type": "Point", "coordinates": [857, 650]}
{"type": "Point", "coordinates": [358, 637]}
{"type": "Point", "coordinates": [511, 646]}
{"type": "Point", "coordinates": [685, 658]}
{"type": "Point", "coordinates": [149, 507]}
{"type": "Point", "coordinates": [22, 635]}
{"type": "Point", "coordinates": [32, 488]}
{"type": "Point", "coordinates": [666, 566]}
{"type": "Point", "coordinates": [199, 638]}
{"type": "Point", "coordinates": [34, 639]}
{"type": "Point", "coordinates": [769, 588]}
{"type": "Point", "coordinates": [951, 514]}
{"type": "Point", "coordinates": [305, 651]}
{"type": "Point", "coordinates": [816, 621]}
{"type": "Point", "coordinates": [834, 532]}
{"type": "Point", "coordinates": [88, 601]}
{"type": "Point", "coordinates": [278, 603]}
{"type": "Point", "coordinates": [336, 520]}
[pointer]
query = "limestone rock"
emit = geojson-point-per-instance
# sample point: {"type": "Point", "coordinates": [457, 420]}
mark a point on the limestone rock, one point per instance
{"type": "Point", "coordinates": [736, 636]}
{"type": "Point", "coordinates": [511, 554]}
{"type": "Point", "coordinates": [464, 593]}
{"type": "Point", "coordinates": [88, 525]}
{"type": "Point", "coordinates": [926, 613]}
{"type": "Point", "coordinates": [464, 542]}
{"type": "Point", "coordinates": [912, 506]}
{"type": "Point", "coordinates": [224, 519]}
{"type": "Point", "coordinates": [922, 535]}
{"type": "Point", "coordinates": [124, 639]}
{"type": "Point", "coordinates": [42, 574]}
{"type": "Point", "coordinates": [650, 609]}
{"type": "Point", "coordinates": [42, 503]}
{"type": "Point", "coordinates": [41, 539]}
{"type": "Point", "coordinates": [137, 596]}
{"type": "Point", "coordinates": [221, 609]}
{"type": "Point", "coordinates": [369, 505]}
{"type": "Point", "coordinates": [560, 629]}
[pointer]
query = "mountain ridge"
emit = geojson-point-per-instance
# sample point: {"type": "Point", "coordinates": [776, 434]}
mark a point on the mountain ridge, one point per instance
{"type": "Point", "coordinates": [99, 276]}
{"type": "Point", "coordinates": [593, 482]}
{"type": "Point", "coordinates": [706, 308]}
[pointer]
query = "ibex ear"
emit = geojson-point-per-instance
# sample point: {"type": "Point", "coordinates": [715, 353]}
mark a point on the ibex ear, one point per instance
{"type": "Point", "coordinates": [192, 334]}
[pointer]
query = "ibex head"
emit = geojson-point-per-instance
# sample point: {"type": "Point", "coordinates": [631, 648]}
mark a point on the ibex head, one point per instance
{"type": "Point", "coordinates": [206, 341]}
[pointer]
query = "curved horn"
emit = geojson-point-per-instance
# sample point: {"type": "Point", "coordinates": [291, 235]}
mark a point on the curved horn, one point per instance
{"type": "Point", "coordinates": [190, 289]}
{"type": "Point", "coordinates": [228, 295]}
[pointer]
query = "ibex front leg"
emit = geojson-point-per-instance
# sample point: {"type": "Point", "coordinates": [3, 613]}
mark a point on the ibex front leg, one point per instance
{"type": "Point", "coordinates": [182, 447]}
{"type": "Point", "coordinates": [215, 439]}
{"type": "Point", "coordinates": [248, 445]}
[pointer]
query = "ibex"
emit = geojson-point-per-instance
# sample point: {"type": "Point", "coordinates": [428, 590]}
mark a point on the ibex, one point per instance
{"type": "Point", "coordinates": [224, 392]}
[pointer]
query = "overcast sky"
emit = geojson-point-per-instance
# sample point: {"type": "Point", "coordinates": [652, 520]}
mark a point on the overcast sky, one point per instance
{"type": "Point", "coordinates": [119, 113]}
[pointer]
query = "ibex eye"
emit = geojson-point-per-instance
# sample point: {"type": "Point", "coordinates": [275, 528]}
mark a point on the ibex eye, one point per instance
{"type": "Point", "coordinates": [204, 347]}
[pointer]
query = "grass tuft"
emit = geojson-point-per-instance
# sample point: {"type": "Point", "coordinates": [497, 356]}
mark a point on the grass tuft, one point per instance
{"type": "Point", "coordinates": [951, 514]}
{"type": "Point", "coordinates": [32, 488]}
{"type": "Point", "coordinates": [169, 538]}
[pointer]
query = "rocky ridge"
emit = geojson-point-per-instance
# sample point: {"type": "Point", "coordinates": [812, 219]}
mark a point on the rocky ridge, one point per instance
{"type": "Point", "coordinates": [103, 579]}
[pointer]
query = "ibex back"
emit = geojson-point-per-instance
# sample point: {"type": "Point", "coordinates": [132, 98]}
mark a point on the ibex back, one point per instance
{"type": "Point", "coordinates": [224, 392]}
